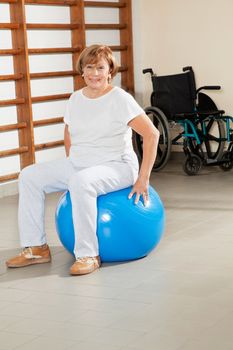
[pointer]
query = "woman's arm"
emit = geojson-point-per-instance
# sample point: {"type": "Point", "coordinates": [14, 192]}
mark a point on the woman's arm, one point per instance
{"type": "Point", "coordinates": [144, 126]}
{"type": "Point", "coordinates": [67, 141]}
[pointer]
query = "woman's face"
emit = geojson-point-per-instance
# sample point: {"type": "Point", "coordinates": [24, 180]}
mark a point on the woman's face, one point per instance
{"type": "Point", "coordinates": [96, 75]}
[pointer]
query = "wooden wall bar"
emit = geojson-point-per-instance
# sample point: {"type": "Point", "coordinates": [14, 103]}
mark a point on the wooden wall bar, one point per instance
{"type": "Point", "coordinates": [22, 75]}
{"type": "Point", "coordinates": [22, 86]}
{"type": "Point", "coordinates": [126, 38]}
{"type": "Point", "coordinates": [78, 37]}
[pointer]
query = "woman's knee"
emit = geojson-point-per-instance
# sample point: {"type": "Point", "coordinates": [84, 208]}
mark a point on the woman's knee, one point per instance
{"type": "Point", "coordinates": [27, 173]}
{"type": "Point", "coordinates": [35, 175]}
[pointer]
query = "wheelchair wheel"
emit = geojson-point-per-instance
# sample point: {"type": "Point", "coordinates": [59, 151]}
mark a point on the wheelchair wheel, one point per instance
{"type": "Point", "coordinates": [212, 140]}
{"type": "Point", "coordinates": [164, 147]}
{"type": "Point", "coordinates": [227, 161]}
{"type": "Point", "coordinates": [192, 164]}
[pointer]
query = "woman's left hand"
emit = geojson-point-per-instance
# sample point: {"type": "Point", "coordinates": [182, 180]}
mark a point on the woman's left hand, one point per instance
{"type": "Point", "coordinates": [140, 188]}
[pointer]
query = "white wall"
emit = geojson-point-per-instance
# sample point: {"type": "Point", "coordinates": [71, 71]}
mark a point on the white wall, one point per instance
{"type": "Point", "coordinates": [171, 34]}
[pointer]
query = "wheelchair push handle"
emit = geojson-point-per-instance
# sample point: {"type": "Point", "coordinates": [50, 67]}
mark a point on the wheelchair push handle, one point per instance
{"type": "Point", "coordinates": [187, 69]}
{"type": "Point", "coordinates": [148, 70]}
{"type": "Point", "coordinates": [212, 87]}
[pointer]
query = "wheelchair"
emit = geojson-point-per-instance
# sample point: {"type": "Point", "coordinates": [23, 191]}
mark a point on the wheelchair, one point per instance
{"type": "Point", "coordinates": [204, 131]}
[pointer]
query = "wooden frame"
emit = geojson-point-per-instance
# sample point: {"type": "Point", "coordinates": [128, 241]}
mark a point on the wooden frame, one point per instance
{"type": "Point", "coordinates": [22, 76]}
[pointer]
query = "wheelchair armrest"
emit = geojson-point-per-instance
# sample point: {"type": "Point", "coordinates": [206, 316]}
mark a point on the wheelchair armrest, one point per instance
{"type": "Point", "coordinates": [210, 87]}
{"type": "Point", "coordinates": [148, 70]}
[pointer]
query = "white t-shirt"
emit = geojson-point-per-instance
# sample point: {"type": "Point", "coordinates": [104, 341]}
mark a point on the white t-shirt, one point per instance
{"type": "Point", "coordinates": [98, 127]}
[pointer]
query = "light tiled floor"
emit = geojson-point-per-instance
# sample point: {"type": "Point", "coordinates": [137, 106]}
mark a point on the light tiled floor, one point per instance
{"type": "Point", "coordinates": [180, 297]}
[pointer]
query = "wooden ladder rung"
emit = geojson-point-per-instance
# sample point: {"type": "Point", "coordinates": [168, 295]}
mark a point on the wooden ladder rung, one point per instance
{"type": "Point", "coordinates": [9, 177]}
{"type": "Point", "coordinates": [10, 127]}
{"type": "Point", "coordinates": [49, 121]}
{"type": "Point", "coordinates": [50, 98]}
{"type": "Point", "coordinates": [52, 74]}
{"type": "Point", "coordinates": [104, 4]}
{"type": "Point", "coordinates": [8, 1]}
{"type": "Point", "coordinates": [51, 2]}
{"type": "Point", "coordinates": [122, 69]}
{"type": "Point", "coordinates": [54, 50]}
{"type": "Point", "coordinates": [9, 25]}
{"type": "Point", "coordinates": [15, 101]}
{"type": "Point", "coordinates": [47, 145]}
{"type": "Point", "coordinates": [118, 47]}
{"type": "Point", "coordinates": [11, 77]}
{"type": "Point", "coordinates": [52, 26]}
{"type": "Point", "coordinates": [10, 51]}
{"type": "Point", "coordinates": [13, 152]}
{"type": "Point", "coordinates": [105, 26]}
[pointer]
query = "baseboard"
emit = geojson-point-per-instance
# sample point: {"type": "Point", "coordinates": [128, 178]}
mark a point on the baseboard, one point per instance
{"type": "Point", "coordinates": [8, 189]}
{"type": "Point", "coordinates": [177, 156]}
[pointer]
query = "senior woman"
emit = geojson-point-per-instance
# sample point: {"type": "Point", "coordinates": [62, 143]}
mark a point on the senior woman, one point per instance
{"type": "Point", "coordinates": [99, 119]}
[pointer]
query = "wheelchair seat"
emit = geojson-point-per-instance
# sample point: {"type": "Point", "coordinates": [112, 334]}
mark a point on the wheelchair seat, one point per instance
{"type": "Point", "coordinates": [201, 114]}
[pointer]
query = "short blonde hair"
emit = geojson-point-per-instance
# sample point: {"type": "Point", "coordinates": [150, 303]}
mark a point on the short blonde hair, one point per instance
{"type": "Point", "coordinates": [93, 54]}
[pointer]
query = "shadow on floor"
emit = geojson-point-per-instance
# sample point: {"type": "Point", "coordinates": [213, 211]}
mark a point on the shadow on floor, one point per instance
{"type": "Point", "coordinates": [60, 265]}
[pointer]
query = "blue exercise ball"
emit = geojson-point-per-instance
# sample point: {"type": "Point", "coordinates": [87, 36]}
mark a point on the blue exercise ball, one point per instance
{"type": "Point", "coordinates": [125, 230]}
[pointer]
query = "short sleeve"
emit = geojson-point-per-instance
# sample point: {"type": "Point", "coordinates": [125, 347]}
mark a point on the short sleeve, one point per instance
{"type": "Point", "coordinates": [129, 108]}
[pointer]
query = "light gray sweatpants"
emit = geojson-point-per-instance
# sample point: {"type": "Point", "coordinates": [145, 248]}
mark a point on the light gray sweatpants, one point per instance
{"type": "Point", "coordinates": [84, 184]}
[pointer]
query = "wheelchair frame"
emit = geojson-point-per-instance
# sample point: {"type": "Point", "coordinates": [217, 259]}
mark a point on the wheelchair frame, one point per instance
{"type": "Point", "coordinates": [198, 117]}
